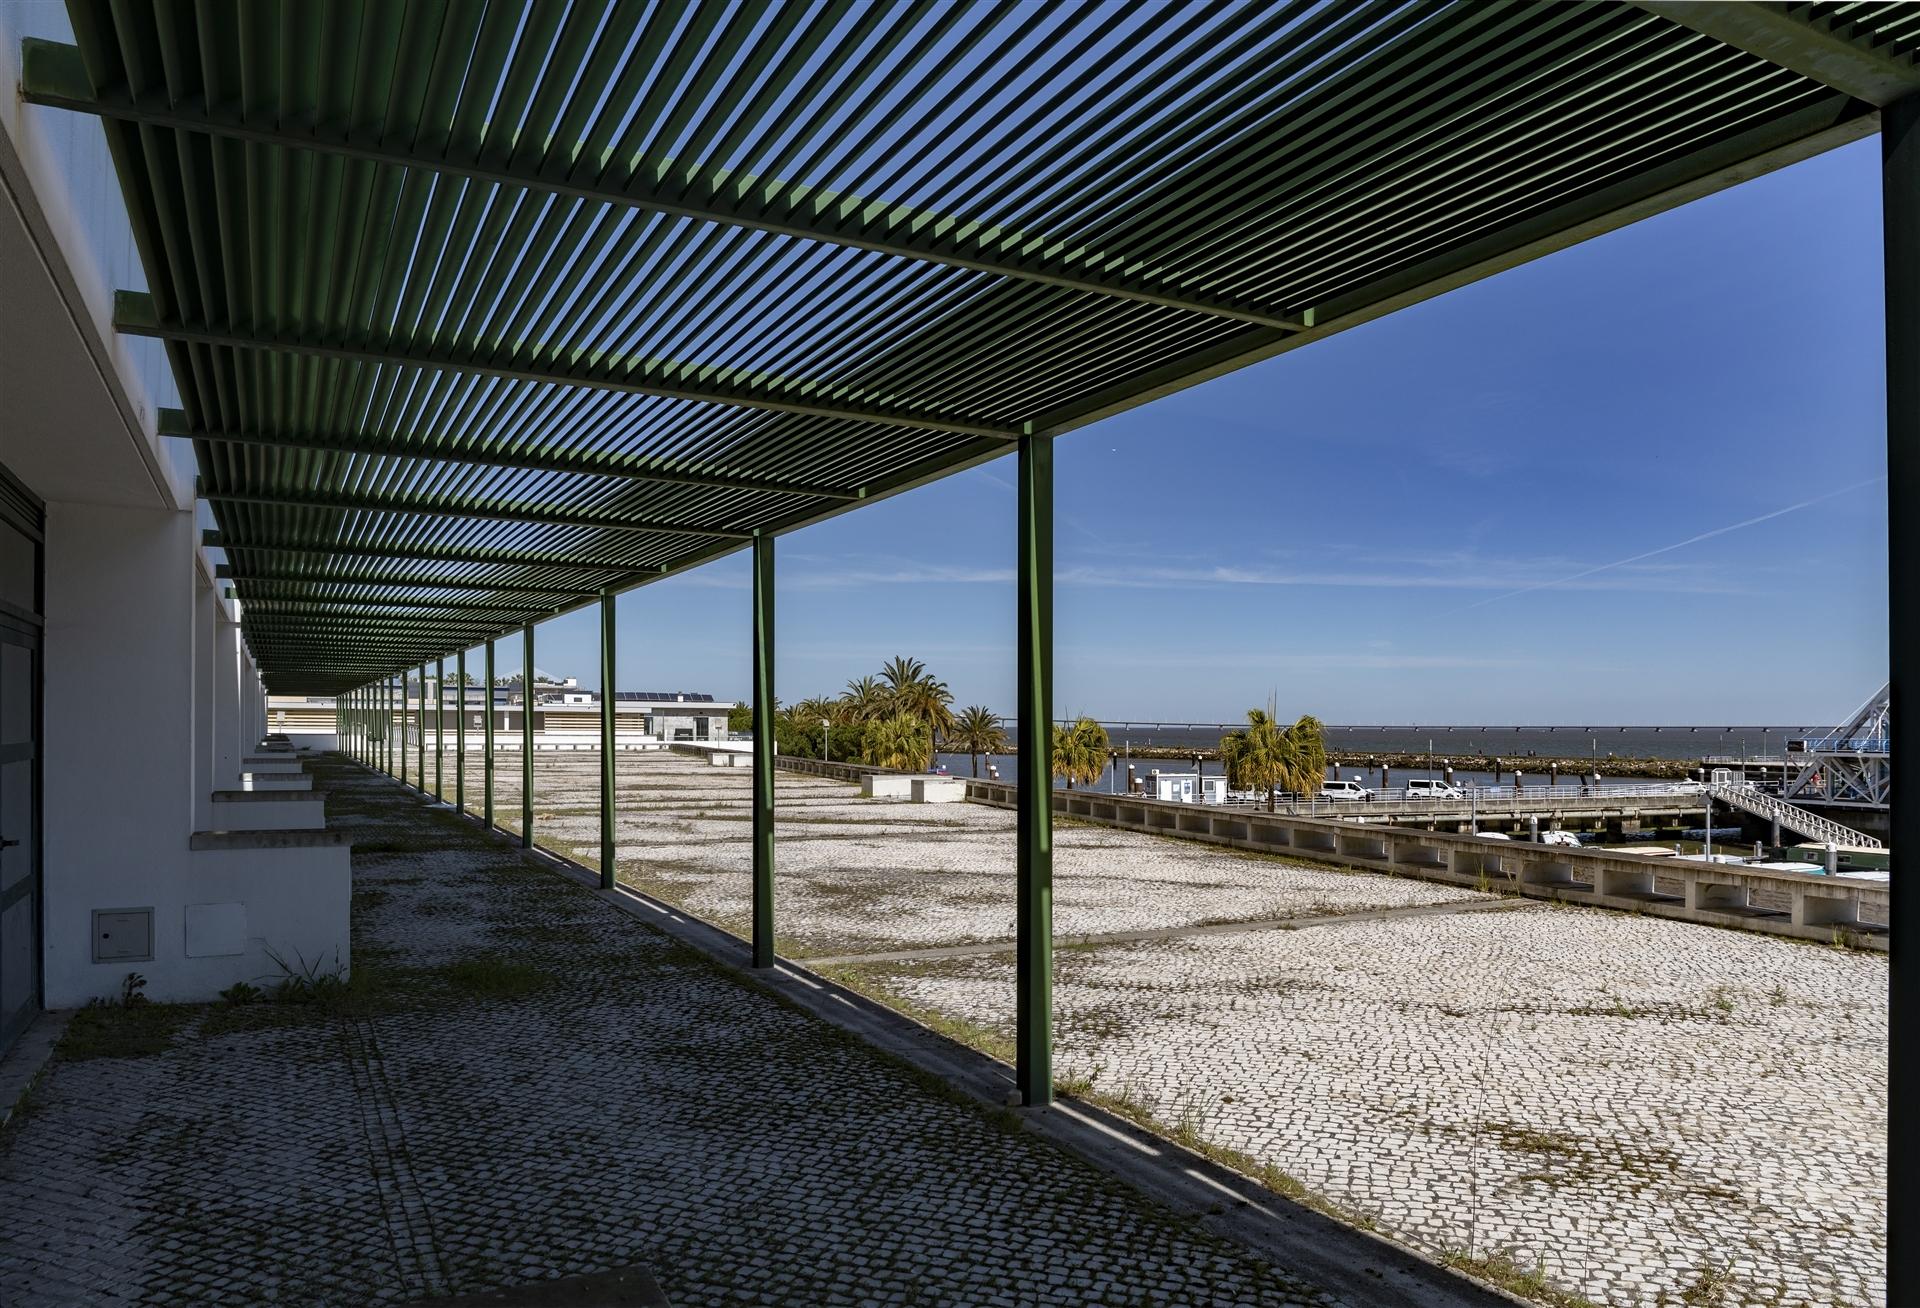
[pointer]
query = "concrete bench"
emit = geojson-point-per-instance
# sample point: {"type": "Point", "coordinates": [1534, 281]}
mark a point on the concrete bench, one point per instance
{"type": "Point", "coordinates": [269, 810]}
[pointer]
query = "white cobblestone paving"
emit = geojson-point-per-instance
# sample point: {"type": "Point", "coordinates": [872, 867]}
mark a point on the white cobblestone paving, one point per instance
{"type": "Point", "coordinates": [1648, 1112]}
{"type": "Point", "coordinates": [1644, 1110]}
{"type": "Point", "coordinates": [526, 1085]}
{"type": "Point", "coordinates": [864, 875]}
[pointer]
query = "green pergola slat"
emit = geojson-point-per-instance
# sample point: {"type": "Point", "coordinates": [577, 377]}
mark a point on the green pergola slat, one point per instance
{"type": "Point", "coordinates": [413, 581]}
{"type": "Point", "coordinates": [134, 314]}
{"type": "Point", "coordinates": [55, 75]}
{"type": "Point", "coordinates": [1793, 37]}
{"type": "Point", "coordinates": [229, 540]}
{"type": "Point", "coordinates": [427, 255]}
{"type": "Point", "coordinates": [540, 515]}
{"type": "Point", "coordinates": [174, 422]}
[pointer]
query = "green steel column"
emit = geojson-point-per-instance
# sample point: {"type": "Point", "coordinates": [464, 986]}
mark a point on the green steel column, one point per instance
{"type": "Point", "coordinates": [608, 740]}
{"type": "Point", "coordinates": [460, 733]}
{"type": "Point", "coordinates": [763, 751]}
{"type": "Point", "coordinates": [1034, 824]}
{"type": "Point", "coordinates": [400, 733]}
{"type": "Point", "coordinates": [1900, 226]}
{"type": "Point", "coordinates": [526, 737]}
{"type": "Point", "coordinates": [487, 739]}
{"type": "Point", "coordinates": [420, 729]}
{"type": "Point", "coordinates": [439, 730]}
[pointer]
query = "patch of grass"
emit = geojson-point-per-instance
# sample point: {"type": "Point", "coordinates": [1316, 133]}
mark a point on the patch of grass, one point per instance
{"type": "Point", "coordinates": [493, 977]}
{"type": "Point", "coordinates": [229, 1021]}
{"type": "Point", "coordinates": [985, 1039]}
{"type": "Point", "coordinates": [139, 1031]}
{"type": "Point", "coordinates": [1502, 1270]}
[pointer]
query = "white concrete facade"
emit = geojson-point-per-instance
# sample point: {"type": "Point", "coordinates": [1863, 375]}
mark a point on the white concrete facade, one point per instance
{"type": "Point", "coordinates": [152, 702]}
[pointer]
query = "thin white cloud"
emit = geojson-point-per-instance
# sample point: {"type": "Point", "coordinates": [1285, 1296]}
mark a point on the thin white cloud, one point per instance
{"type": "Point", "coordinates": [1337, 659]}
{"type": "Point", "coordinates": [1387, 579]}
{"type": "Point", "coordinates": [1559, 583]}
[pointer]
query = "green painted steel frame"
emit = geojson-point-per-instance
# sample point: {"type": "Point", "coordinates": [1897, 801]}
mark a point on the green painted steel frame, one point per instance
{"type": "Point", "coordinates": [1176, 284]}
{"type": "Point", "coordinates": [487, 728]}
{"type": "Point", "coordinates": [763, 752]}
{"type": "Point", "coordinates": [420, 728]}
{"type": "Point", "coordinates": [609, 742]}
{"type": "Point", "coordinates": [526, 737]}
{"type": "Point", "coordinates": [1033, 839]}
{"type": "Point", "coordinates": [1900, 226]}
{"type": "Point", "coordinates": [460, 733]}
{"type": "Point", "coordinates": [439, 726]}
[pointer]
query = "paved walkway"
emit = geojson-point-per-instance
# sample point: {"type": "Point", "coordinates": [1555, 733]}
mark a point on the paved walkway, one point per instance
{"type": "Point", "coordinates": [522, 1084]}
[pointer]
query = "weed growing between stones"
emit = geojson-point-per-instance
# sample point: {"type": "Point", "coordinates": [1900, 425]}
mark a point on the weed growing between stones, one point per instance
{"type": "Point", "coordinates": [1505, 1271]}
{"type": "Point", "coordinates": [493, 977]}
{"type": "Point", "coordinates": [124, 1031]}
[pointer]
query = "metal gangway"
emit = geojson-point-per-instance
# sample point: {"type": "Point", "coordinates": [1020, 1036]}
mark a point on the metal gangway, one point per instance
{"type": "Point", "coordinates": [1746, 796]}
{"type": "Point", "coordinates": [1851, 766]}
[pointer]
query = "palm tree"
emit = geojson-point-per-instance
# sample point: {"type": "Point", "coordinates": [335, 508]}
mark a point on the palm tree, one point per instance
{"type": "Point", "coordinates": [928, 700]}
{"type": "Point", "coordinates": [901, 742]}
{"type": "Point", "coordinates": [1309, 739]}
{"type": "Point", "coordinates": [901, 672]}
{"type": "Point", "coordinates": [1080, 752]}
{"type": "Point", "coordinates": [1264, 755]}
{"type": "Point", "coordinates": [865, 700]}
{"type": "Point", "coordinates": [977, 730]}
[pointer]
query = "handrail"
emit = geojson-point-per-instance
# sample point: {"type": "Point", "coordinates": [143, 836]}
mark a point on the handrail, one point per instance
{"type": "Point", "coordinates": [1743, 795]}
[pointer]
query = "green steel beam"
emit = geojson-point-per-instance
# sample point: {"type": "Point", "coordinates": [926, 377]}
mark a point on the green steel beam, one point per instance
{"type": "Point", "coordinates": [1900, 228]}
{"type": "Point", "coordinates": [439, 729]}
{"type": "Point", "coordinates": [460, 733]}
{"type": "Point", "coordinates": [424, 553]}
{"type": "Point", "coordinates": [609, 742]}
{"type": "Point", "coordinates": [1772, 145]}
{"type": "Point", "coordinates": [404, 580]}
{"type": "Point", "coordinates": [174, 422]}
{"type": "Point", "coordinates": [1799, 39]}
{"type": "Point", "coordinates": [526, 737]}
{"type": "Point", "coordinates": [53, 74]}
{"type": "Point", "coordinates": [1033, 838]}
{"type": "Point", "coordinates": [134, 314]}
{"type": "Point", "coordinates": [536, 514]}
{"type": "Point", "coordinates": [401, 731]}
{"type": "Point", "coordinates": [361, 604]}
{"type": "Point", "coordinates": [763, 703]}
{"type": "Point", "coordinates": [422, 728]}
{"type": "Point", "coordinates": [487, 737]}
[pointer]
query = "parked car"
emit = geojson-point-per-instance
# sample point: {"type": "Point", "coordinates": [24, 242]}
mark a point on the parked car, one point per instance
{"type": "Point", "coordinates": [1340, 788]}
{"type": "Point", "coordinates": [1432, 788]}
{"type": "Point", "coordinates": [1564, 839]}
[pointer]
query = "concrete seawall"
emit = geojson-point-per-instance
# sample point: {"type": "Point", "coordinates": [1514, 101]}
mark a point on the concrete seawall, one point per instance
{"type": "Point", "coordinates": [1797, 905]}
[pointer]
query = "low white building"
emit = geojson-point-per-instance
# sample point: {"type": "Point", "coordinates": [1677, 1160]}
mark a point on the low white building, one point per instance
{"type": "Point", "coordinates": [134, 839]}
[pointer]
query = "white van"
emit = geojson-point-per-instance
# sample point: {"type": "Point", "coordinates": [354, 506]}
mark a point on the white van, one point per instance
{"type": "Point", "coordinates": [1432, 788]}
{"type": "Point", "coordinates": [1340, 788]}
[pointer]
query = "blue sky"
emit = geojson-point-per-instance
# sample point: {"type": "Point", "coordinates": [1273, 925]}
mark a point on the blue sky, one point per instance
{"type": "Point", "coordinates": [1509, 504]}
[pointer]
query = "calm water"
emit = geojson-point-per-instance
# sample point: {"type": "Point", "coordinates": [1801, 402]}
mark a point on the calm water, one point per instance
{"type": "Point", "coordinates": [1460, 745]}
{"type": "Point", "coordinates": [1506, 742]}
{"type": "Point", "coordinates": [1115, 777]}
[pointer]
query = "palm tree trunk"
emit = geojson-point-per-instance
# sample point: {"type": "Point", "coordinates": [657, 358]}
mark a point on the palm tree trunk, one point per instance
{"type": "Point", "coordinates": [976, 766]}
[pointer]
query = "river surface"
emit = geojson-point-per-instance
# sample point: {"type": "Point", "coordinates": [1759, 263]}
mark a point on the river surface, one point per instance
{"type": "Point", "coordinates": [1115, 776]}
{"type": "Point", "coordinates": [1597, 743]}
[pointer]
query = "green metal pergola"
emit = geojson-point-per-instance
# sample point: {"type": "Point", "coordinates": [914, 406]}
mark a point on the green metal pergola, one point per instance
{"type": "Point", "coordinates": [484, 312]}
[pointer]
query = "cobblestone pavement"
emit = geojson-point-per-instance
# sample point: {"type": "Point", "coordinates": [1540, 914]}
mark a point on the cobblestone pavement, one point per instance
{"type": "Point", "coordinates": [523, 1083]}
{"type": "Point", "coordinates": [864, 875]}
{"type": "Point", "coordinates": [1636, 1107]}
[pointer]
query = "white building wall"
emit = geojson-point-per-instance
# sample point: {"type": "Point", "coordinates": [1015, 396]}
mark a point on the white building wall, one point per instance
{"type": "Point", "coordinates": [119, 803]}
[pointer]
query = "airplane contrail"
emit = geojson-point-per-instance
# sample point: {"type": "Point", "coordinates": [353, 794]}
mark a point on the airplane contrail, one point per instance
{"type": "Point", "coordinates": [1679, 544]}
